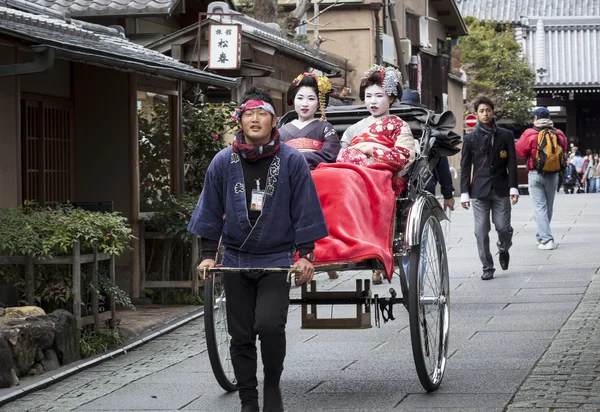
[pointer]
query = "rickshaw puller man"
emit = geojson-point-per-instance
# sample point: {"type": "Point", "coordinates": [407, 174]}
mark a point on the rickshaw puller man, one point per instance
{"type": "Point", "coordinates": [268, 196]}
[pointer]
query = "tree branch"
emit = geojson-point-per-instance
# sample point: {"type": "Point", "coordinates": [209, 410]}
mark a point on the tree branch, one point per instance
{"type": "Point", "coordinates": [301, 8]}
{"type": "Point", "coordinates": [314, 24]}
{"type": "Point", "coordinates": [321, 12]}
{"type": "Point", "coordinates": [293, 18]}
{"type": "Point", "coordinates": [292, 21]}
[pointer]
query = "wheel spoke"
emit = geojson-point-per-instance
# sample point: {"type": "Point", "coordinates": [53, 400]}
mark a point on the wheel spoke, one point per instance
{"type": "Point", "coordinates": [430, 314]}
{"type": "Point", "coordinates": [217, 334]}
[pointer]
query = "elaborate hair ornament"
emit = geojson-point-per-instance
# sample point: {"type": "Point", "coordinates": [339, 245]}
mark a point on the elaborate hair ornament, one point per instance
{"type": "Point", "coordinates": [390, 78]}
{"type": "Point", "coordinates": [323, 85]}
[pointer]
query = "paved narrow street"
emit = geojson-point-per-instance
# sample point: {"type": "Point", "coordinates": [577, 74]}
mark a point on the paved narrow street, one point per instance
{"type": "Point", "coordinates": [528, 339]}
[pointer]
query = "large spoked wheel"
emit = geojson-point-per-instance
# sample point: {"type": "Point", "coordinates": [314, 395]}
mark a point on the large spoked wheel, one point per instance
{"type": "Point", "coordinates": [429, 303]}
{"type": "Point", "coordinates": [217, 335]}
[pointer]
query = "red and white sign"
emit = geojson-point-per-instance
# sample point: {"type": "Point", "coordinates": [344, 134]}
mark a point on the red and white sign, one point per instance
{"type": "Point", "coordinates": [471, 121]}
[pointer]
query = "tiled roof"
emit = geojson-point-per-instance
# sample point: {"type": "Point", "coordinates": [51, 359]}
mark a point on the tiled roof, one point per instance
{"type": "Point", "coordinates": [87, 8]}
{"type": "Point", "coordinates": [85, 42]}
{"type": "Point", "coordinates": [564, 52]}
{"type": "Point", "coordinates": [511, 11]}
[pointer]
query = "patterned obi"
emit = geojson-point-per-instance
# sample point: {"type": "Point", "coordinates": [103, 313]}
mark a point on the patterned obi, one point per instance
{"type": "Point", "coordinates": [305, 143]}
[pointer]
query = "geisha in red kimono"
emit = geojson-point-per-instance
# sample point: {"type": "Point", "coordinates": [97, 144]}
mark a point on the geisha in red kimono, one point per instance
{"type": "Point", "coordinates": [386, 140]}
{"type": "Point", "coordinates": [358, 193]}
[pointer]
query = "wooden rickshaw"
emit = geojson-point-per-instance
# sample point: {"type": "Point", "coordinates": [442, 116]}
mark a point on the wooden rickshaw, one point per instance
{"type": "Point", "coordinates": [418, 239]}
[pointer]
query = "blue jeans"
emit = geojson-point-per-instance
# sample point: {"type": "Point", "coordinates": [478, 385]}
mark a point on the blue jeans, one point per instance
{"type": "Point", "coordinates": [593, 187]}
{"type": "Point", "coordinates": [542, 189]}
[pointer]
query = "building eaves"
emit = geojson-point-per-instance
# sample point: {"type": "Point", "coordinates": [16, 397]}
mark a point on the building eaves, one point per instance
{"type": "Point", "coordinates": [72, 41]}
{"type": "Point", "coordinates": [511, 11]}
{"type": "Point", "coordinates": [564, 52]}
{"type": "Point", "coordinates": [450, 17]}
{"type": "Point", "coordinates": [93, 8]}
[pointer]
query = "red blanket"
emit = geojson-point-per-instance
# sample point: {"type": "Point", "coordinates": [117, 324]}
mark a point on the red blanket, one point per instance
{"type": "Point", "coordinates": [359, 206]}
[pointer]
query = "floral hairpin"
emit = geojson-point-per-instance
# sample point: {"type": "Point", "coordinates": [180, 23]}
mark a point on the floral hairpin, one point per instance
{"type": "Point", "coordinates": [324, 87]}
{"type": "Point", "coordinates": [390, 78]}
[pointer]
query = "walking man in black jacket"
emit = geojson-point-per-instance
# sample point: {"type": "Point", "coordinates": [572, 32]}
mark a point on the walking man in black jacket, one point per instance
{"type": "Point", "coordinates": [489, 181]}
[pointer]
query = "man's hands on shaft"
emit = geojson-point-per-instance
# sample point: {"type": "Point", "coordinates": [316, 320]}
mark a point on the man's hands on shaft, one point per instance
{"type": "Point", "coordinates": [206, 263]}
{"type": "Point", "coordinates": [307, 268]}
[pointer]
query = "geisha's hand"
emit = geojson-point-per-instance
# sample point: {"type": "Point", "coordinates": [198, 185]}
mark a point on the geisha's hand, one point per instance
{"type": "Point", "coordinates": [367, 149]}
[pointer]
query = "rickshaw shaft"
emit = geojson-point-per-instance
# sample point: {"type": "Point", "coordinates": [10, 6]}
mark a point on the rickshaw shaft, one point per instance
{"type": "Point", "coordinates": [341, 301]}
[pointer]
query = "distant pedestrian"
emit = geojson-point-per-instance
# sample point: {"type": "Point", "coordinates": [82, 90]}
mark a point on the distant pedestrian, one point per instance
{"type": "Point", "coordinates": [577, 161]}
{"type": "Point", "coordinates": [570, 177]}
{"type": "Point", "coordinates": [573, 151]}
{"type": "Point", "coordinates": [595, 179]}
{"type": "Point", "coordinates": [489, 152]}
{"type": "Point", "coordinates": [588, 171]}
{"type": "Point", "coordinates": [544, 147]}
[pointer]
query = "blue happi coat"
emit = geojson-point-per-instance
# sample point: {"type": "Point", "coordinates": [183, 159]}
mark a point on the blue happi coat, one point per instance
{"type": "Point", "coordinates": [291, 212]}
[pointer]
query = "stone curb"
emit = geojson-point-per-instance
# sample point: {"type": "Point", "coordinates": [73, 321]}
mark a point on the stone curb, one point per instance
{"type": "Point", "coordinates": [82, 365]}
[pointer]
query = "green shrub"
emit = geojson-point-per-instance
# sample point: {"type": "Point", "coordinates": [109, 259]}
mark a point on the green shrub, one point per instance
{"type": "Point", "coordinates": [172, 217]}
{"type": "Point", "coordinates": [173, 296]}
{"type": "Point", "coordinates": [47, 233]}
{"type": "Point", "coordinates": [43, 232]}
{"type": "Point", "coordinates": [96, 343]}
{"type": "Point", "coordinates": [203, 128]}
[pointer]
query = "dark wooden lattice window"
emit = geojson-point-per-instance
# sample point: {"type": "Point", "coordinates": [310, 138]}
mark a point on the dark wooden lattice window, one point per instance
{"type": "Point", "coordinates": [47, 150]}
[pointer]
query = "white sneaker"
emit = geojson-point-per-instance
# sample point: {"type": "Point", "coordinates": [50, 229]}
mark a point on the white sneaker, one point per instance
{"type": "Point", "coordinates": [546, 246]}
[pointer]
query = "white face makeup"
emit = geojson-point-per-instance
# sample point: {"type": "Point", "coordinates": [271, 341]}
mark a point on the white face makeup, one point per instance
{"type": "Point", "coordinates": [377, 100]}
{"type": "Point", "coordinates": [306, 103]}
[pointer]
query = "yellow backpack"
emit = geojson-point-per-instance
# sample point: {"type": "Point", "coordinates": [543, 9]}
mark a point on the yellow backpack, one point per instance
{"type": "Point", "coordinates": [549, 157]}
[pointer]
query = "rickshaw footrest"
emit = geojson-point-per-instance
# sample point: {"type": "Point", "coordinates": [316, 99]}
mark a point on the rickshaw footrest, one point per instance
{"type": "Point", "coordinates": [362, 320]}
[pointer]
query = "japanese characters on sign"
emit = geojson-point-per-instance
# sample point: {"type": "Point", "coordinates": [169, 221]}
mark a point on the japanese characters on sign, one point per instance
{"type": "Point", "coordinates": [224, 46]}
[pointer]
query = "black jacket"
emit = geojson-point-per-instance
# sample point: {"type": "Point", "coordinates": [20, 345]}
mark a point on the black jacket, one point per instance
{"type": "Point", "coordinates": [484, 169]}
{"type": "Point", "coordinates": [441, 175]}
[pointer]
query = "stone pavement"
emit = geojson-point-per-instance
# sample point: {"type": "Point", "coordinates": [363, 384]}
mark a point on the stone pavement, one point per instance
{"type": "Point", "coordinates": [567, 377]}
{"type": "Point", "coordinates": [135, 323]}
{"type": "Point", "coordinates": [526, 340]}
